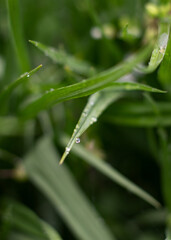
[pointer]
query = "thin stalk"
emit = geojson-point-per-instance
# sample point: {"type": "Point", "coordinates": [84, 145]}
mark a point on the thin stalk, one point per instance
{"type": "Point", "coordinates": [17, 35]}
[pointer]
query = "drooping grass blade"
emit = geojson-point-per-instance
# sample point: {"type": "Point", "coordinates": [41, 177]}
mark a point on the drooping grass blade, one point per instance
{"type": "Point", "coordinates": [110, 172]}
{"type": "Point", "coordinates": [62, 58]}
{"type": "Point", "coordinates": [97, 103]}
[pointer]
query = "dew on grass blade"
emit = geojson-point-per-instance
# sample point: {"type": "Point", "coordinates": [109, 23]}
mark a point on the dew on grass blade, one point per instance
{"type": "Point", "coordinates": [77, 140]}
{"type": "Point", "coordinates": [67, 150]}
{"type": "Point", "coordinates": [93, 120]}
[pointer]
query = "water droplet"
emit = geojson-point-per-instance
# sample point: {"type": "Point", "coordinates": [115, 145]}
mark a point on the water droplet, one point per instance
{"type": "Point", "coordinates": [52, 89]}
{"type": "Point", "coordinates": [91, 103]}
{"type": "Point", "coordinates": [67, 149]}
{"type": "Point", "coordinates": [94, 119]}
{"type": "Point", "coordinates": [28, 75]}
{"type": "Point", "coordinates": [77, 140]}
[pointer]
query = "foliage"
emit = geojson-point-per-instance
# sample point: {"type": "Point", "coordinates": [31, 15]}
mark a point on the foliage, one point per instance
{"type": "Point", "coordinates": [101, 56]}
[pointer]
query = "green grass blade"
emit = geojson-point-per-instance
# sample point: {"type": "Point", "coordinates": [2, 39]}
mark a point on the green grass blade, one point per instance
{"type": "Point", "coordinates": [110, 172]}
{"type": "Point", "coordinates": [6, 92]}
{"type": "Point", "coordinates": [57, 183]}
{"type": "Point", "coordinates": [17, 35]}
{"type": "Point", "coordinates": [164, 71]}
{"type": "Point", "coordinates": [24, 221]}
{"type": "Point", "coordinates": [61, 57]}
{"type": "Point", "coordinates": [130, 86]}
{"type": "Point", "coordinates": [159, 49]}
{"type": "Point", "coordinates": [84, 88]}
{"type": "Point", "coordinates": [168, 231]}
{"type": "Point", "coordinates": [97, 103]}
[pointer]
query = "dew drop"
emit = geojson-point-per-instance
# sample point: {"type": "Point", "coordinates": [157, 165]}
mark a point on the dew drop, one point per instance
{"type": "Point", "coordinates": [67, 149]}
{"type": "Point", "coordinates": [77, 140]}
{"type": "Point", "coordinates": [28, 75]}
{"type": "Point", "coordinates": [52, 89]}
{"type": "Point", "coordinates": [94, 119]}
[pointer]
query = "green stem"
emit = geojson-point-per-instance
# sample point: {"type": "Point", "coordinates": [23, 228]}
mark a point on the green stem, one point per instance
{"type": "Point", "coordinates": [17, 35]}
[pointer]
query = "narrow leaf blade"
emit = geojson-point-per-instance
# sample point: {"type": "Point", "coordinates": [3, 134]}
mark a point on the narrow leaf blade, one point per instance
{"type": "Point", "coordinates": [61, 57]}
{"type": "Point", "coordinates": [110, 172]}
{"type": "Point", "coordinates": [60, 188]}
{"type": "Point", "coordinates": [159, 49]}
{"type": "Point", "coordinates": [97, 103]}
{"type": "Point", "coordinates": [6, 92]}
{"type": "Point", "coordinates": [84, 88]}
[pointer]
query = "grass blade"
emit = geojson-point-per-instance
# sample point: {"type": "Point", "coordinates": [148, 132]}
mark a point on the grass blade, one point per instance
{"type": "Point", "coordinates": [24, 221]}
{"type": "Point", "coordinates": [61, 57]}
{"type": "Point", "coordinates": [16, 32]}
{"type": "Point", "coordinates": [6, 92]}
{"type": "Point", "coordinates": [62, 191]}
{"type": "Point", "coordinates": [84, 88]}
{"type": "Point", "coordinates": [97, 103]}
{"type": "Point", "coordinates": [164, 71]}
{"type": "Point", "coordinates": [159, 49]}
{"type": "Point", "coordinates": [110, 172]}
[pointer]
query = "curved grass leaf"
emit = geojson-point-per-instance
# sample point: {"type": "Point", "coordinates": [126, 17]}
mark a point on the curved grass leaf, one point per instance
{"type": "Point", "coordinates": [84, 88]}
{"type": "Point", "coordinates": [159, 49]}
{"type": "Point", "coordinates": [6, 92]}
{"type": "Point", "coordinates": [164, 71]}
{"type": "Point", "coordinates": [97, 103]}
{"type": "Point", "coordinates": [61, 57]}
{"type": "Point", "coordinates": [57, 183]}
{"type": "Point", "coordinates": [23, 221]}
{"type": "Point", "coordinates": [110, 172]}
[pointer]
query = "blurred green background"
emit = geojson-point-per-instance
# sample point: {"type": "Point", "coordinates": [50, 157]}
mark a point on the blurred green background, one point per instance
{"type": "Point", "coordinates": [102, 33]}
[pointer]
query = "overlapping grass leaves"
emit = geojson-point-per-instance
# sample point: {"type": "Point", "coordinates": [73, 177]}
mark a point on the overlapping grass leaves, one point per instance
{"type": "Point", "coordinates": [85, 87]}
{"type": "Point", "coordinates": [110, 172]}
